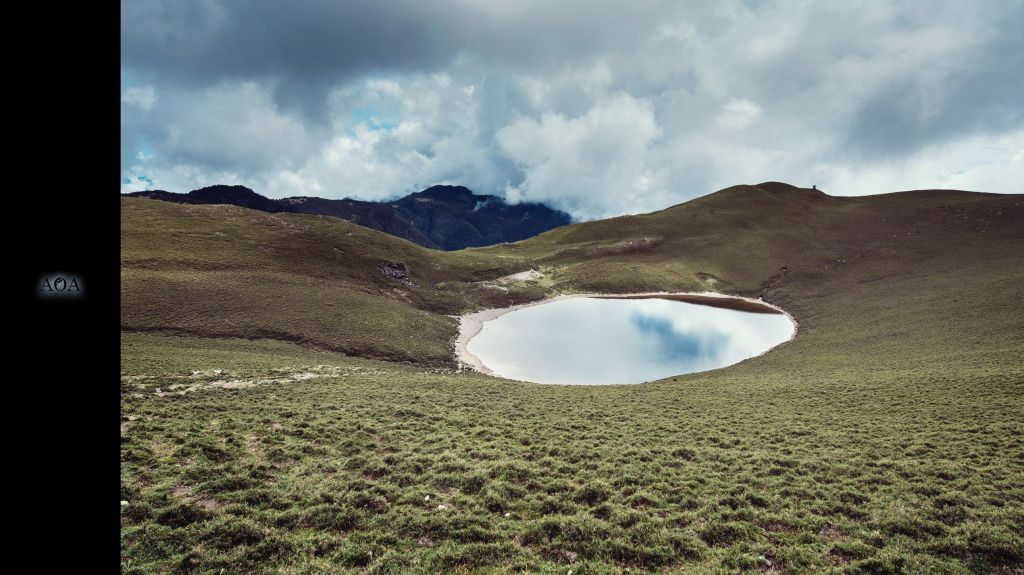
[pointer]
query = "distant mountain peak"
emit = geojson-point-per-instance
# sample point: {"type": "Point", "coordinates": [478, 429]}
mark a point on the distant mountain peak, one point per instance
{"type": "Point", "coordinates": [445, 189]}
{"type": "Point", "coordinates": [447, 194]}
{"type": "Point", "coordinates": [441, 217]}
{"type": "Point", "coordinates": [224, 189]}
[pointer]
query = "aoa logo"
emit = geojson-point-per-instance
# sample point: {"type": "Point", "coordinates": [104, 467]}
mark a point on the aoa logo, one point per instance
{"type": "Point", "coordinates": [59, 285]}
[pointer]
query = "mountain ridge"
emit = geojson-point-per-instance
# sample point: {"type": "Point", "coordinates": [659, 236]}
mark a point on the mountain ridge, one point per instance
{"type": "Point", "coordinates": [439, 217]}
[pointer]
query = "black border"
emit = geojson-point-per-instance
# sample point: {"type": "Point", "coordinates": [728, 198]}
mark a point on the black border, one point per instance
{"type": "Point", "coordinates": [67, 102]}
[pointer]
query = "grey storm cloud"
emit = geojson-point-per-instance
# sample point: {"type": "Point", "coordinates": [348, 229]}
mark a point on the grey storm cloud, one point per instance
{"type": "Point", "coordinates": [599, 108]}
{"type": "Point", "coordinates": [982, 94]}
{"type": "Point", "coordinates": [314, 43]}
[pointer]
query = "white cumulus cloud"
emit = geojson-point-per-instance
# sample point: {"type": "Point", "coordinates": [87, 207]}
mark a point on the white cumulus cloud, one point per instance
{"type": "Point", "coordinates": [595, 165]}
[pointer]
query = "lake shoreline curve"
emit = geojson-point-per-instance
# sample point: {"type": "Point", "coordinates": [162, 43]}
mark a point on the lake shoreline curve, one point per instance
{"type": "Point", "coordinates": [471, 324]}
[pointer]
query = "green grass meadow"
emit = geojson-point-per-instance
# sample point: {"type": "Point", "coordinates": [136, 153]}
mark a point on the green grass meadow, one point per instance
{"type": "Point", "coordinates": [285, 408]}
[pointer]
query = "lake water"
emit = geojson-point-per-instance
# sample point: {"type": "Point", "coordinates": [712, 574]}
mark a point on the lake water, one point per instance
{"type": "Point", "coordinates": [592, 341]}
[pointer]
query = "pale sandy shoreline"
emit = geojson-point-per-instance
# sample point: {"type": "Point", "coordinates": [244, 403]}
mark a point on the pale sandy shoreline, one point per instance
{"type": "Point", "coordinates": [471, 324]}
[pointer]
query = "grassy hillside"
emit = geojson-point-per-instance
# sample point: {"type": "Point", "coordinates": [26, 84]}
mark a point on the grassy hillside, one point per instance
{"type": "Point", "coordinates": [218, 271]}
{"type": "Point", "coordinates": [885, 438]}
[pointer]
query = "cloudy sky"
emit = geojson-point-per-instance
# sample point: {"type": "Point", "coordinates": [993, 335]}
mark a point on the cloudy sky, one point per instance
{"type": "Point", "coordinates": [600, 108]}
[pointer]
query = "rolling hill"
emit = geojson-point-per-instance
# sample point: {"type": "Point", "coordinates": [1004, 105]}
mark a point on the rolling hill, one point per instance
{"type": "Point", "coordinates": [884, 438]}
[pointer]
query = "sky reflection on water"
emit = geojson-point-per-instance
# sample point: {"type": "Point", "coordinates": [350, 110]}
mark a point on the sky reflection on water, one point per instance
{"type": "Point", "coordinates": [595, 341]}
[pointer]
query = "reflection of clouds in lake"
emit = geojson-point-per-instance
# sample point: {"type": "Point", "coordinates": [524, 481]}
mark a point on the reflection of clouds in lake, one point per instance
{"type": "Point", "coordinates": [688, 346]}
{"type": "Point", "coordinates": [602, 341]}
{"type": "Point", "coordinates": [749, 334]}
